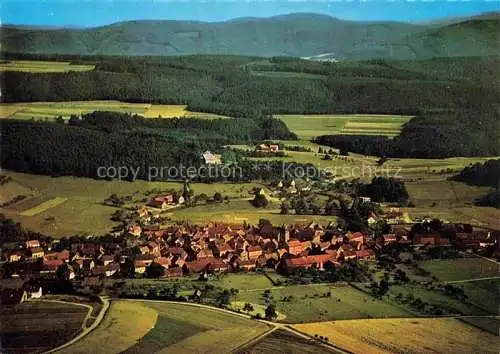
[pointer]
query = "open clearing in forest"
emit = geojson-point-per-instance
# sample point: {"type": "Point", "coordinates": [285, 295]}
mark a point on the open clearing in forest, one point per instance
{"type": "Point", "coordinates": [416, 335]}
{"type": "Point", "coordinates": [52, 110]}
{"type": "Point", "coordinates": [42, 66]}
{"type": "Point", "coordinates": [308, 126]}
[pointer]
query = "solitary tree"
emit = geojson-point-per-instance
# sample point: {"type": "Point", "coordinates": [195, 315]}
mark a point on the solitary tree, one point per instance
{"type": "Point", "coordinates": [271, 312]}
{"type": "Point", "coordinates": [260, 201]}
{"type": "Point", "coordinates": [154, 270]}
{"type": "Point", "coordinates": [217, 197]}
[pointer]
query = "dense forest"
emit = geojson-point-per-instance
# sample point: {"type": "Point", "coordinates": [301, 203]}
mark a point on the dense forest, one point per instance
{"type": "Point", "coordinates": [491, 199]}
{"type": "Point", "coordinates": [383, 190]}
{"type": "Point", "coordinates": [455, 100]}
{"type": "Point", "coordinates": [117, 140]}
{"type": "Point", "coordinates": [248, 86]}
{"type": "Point", "coordinates": [473, 131]}
{"type": "Point", "coordinates": [296, 34]}
{"type": "Point", "coordinates": [481, 174]}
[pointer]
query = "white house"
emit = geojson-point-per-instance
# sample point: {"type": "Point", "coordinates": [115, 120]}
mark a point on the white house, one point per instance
{"type": "Point", "coordinates": [211, 159]}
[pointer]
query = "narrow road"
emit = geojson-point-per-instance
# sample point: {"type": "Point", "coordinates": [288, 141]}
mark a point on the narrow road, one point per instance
{"type": "Point", "coordinates": [86, 330]}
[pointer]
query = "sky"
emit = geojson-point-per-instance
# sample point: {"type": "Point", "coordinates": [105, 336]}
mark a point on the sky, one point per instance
{"type": "Point", "coordinates": [91, 13]}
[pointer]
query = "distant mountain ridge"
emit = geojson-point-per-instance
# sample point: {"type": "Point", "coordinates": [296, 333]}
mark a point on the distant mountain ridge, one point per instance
{"type": "Point", "coordinates": [298, 35]}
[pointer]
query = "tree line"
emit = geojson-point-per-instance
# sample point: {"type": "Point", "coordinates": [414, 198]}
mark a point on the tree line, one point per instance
{"type": "Point", "coordinates": [481, 174]}
{"type": "Point", "coordinates": [469, 131]}
{"type": "Point", "coordinates": [116, 140]}
{"type": "Point", "coordinates": [233, 86]}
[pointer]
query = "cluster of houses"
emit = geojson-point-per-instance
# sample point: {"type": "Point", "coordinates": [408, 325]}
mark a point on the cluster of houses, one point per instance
{"type": "Point", "coordinates": [165, 201]}
{"type": "Point", "coordinates": [187, 249]}
{"type": "Point", "coordinates": [221, 247]}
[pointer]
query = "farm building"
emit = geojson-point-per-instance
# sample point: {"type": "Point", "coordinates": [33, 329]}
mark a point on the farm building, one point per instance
{"type": "Point", "coordinates": [162, 201]}
{"type": "Point", "coordinates": [212, 159]}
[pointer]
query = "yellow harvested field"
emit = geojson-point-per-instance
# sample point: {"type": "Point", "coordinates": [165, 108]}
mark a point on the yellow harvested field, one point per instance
{"type": "Point", "coordinates": [52, 110]}
{"type": "Point", "coordinates": [124, 324]}
{"type": "Point", "coordinates": [52, 203]}
{"type": "Point", "coordinates": [165, 111]}
{"type": "Point", "coordinates": [410, 335]}
{"type": "Point", "coordinates": [39, 66]}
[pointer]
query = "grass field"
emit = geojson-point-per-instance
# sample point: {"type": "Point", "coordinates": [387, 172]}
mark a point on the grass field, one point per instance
{"type": "Point", "coordinates": [52, 203]}
{"type": "Point", "coordinates": [345, 303]}
{"type": "Point", "coordinates": [207, 331]}
{"type": "Point", "coordinates": [451, 201]}
{"type": "Point", "coordinates": [12, 189]}
{"type": "Point", "coordinates": [484, 293]}
{"type": "Point", "coordinates": [162, 327]}
{"type": "Point", "coordinates": [405, 336]}
{"type": "Point", "coordinates": [288, 74]}
{"type": "Point", "coordinates": [83, 211]}
{"type": "Point", "coordinates": [52, 110]}
{"type": "Point", "coordinates": [310, 126]}
{"type": "Point", "coordinates": [239, 211]}
{"type": "Point", "coordinates": [461, 268]}
{"type": "Point", "coordinates": [281, 341]}
{"type": "Point", "coordinates": [123, 325]}
{"type": "Point", "coordinates": [432, 166]}
{"type": "Point", "coordinates": [35, 66]}
{"type": "Point", "coordinates": [245, 281]}
{"type": "Point", "coordinates": [34, 327]}
{"type": "Point", "coordinates": [440, 193]}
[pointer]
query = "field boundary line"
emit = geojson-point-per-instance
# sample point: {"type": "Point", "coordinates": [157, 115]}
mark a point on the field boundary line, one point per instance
{"type": "Point", "coordinates": [105, 301]}
{"type": "Point", "coordinates": [253, 340]}
{"type": "Point", "coordinates": [488, 259]}
{"type": "Point", "coordinates": [328, 345]}
{"type": "Point", "coordinates": [470, 280]}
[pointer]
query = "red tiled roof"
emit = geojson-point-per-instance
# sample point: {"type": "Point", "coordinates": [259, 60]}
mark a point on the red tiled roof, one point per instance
{"type": "Point", "coordinates": [173, 272]}
{"type": "Point", "coordinates": [204, 263]}
{"type": "Point", "coordinates": [309, 260]}
{"type": "Point", "coordinates": [254, 249]}
{"type": "Point", "coordinates": [365, 253]}
{"type": "Point", "coordinates": [52, 264]}
{"type": "Point", "coordinates": [140, 264]}
{"type": "Point", "coordinates": [162, 260]}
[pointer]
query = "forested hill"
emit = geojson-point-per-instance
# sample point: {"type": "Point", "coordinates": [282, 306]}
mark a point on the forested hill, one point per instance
{"type": "Point", "coordinates": [249, 86]}
{"type": "Point", "coordinates": [455, 99]}
{"type": "Point", "coordinates": [108, 139]}
{"type": "Point", "coordinates": [471, 130]}
{"type": "Point", "coordinates": [297, 35]}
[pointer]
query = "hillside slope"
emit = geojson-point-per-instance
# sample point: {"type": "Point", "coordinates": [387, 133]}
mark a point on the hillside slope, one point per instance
{"type": "Point", "coordinates": [300, 35]}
